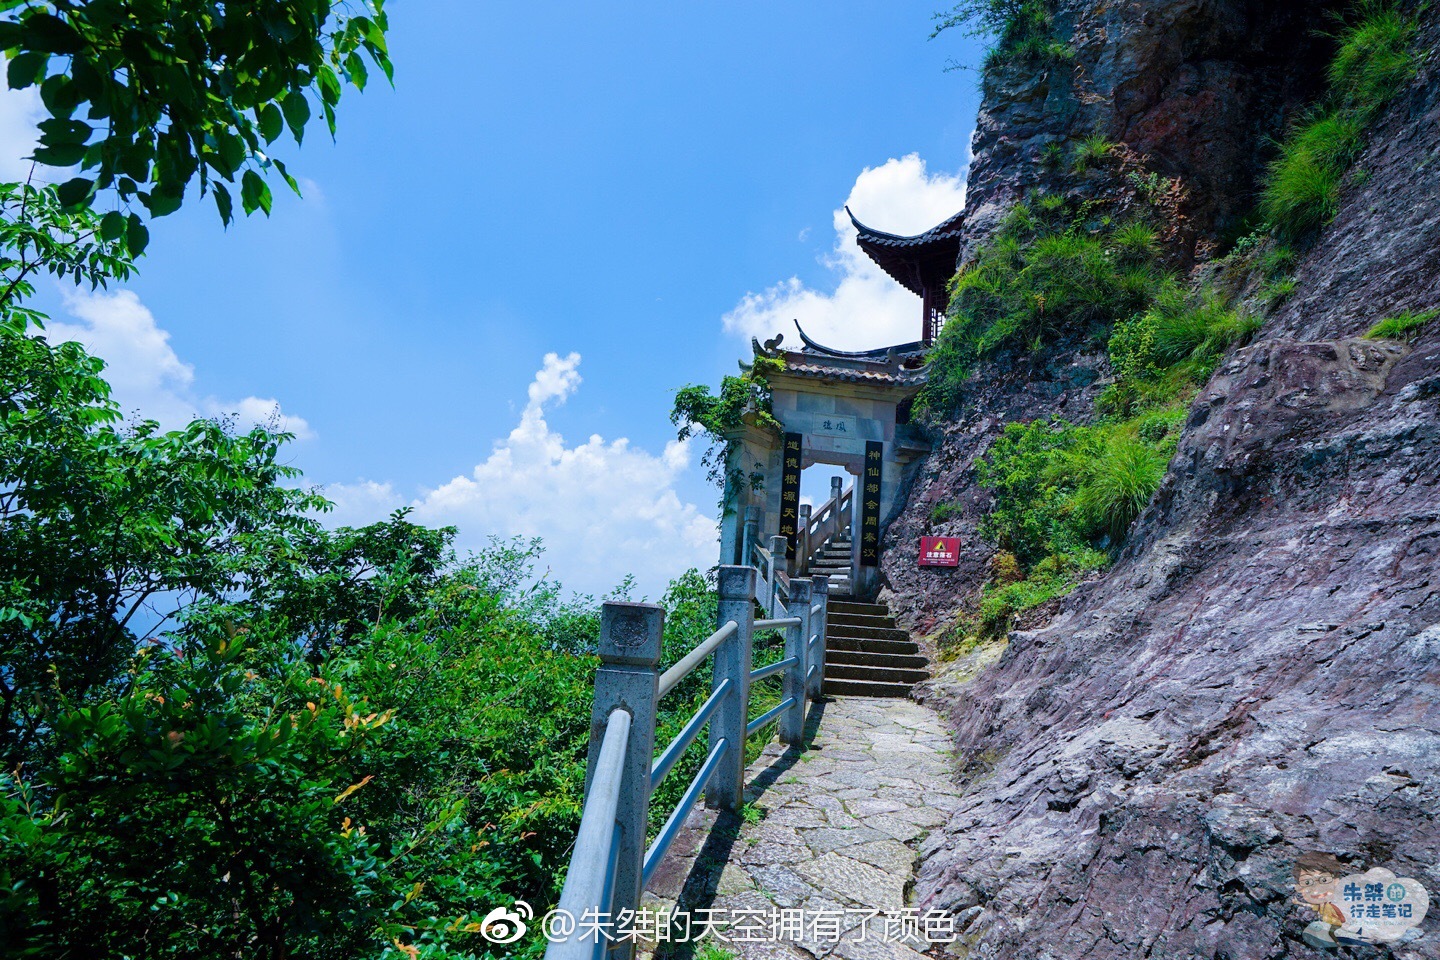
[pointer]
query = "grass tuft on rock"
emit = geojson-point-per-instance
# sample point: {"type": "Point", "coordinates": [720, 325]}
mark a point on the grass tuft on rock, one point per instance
{"type": "Point", "coordinates": [1302, 185]}
{"type": "Point", "coordinates": [1402, 326]}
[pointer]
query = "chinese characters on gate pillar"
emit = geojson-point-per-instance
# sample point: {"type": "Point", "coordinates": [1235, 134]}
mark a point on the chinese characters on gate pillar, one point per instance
{"type": "Point", "coordinates": [790, 493]}
{"type": "Point", "coordinates": [870, 504]}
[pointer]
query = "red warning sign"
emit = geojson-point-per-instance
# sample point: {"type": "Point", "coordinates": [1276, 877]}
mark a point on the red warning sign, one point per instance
{"type": "Point", "coordinates": [939, 551]}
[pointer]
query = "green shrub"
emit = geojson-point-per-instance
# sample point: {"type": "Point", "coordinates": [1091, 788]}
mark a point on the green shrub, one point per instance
{"type": "Point", "coordinates": [1091, 152]}
{"type": "Point", "coordinates": [1171, 348]}
{"type": "Point", "coordinates": [942, 512]}
{"type": "Point", "coordinates": [1277, 291]}
{"type": "Point", "coordinates": [1054, 577]}
{"type": "Point", "coordinates": [1402, 326]}
{"type": "Point", "coordinates": [1277, 259]}
{"type": "Point", "coordinates": [1116, 479]}
{"type": "Point", "coordinates": [1021, 31]}
{"type": "Point", "coordinates": [1302, 185]}
{"type": "Point", "coordinates": [697, 411]}
{"type": "Point", "coordinates": [1046, 274]}
{"type": "Point", "coordinates": [1374, 60]}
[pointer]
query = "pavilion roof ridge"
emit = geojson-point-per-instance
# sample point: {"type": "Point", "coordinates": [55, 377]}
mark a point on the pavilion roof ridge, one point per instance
{"type": "Point", "coordinates": [876, 354]}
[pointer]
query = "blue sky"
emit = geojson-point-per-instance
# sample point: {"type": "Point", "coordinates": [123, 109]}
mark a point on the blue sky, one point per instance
{"type": "Point", "coordinates": [642, 185]}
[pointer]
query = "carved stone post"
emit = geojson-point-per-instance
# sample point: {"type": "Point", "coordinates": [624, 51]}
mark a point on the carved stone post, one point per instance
{"type": "Point", "coordinates": [732, 663]}
{"type": "Point", "coordinates": [819, 623]}
{"type": "Point", "coordinates": [802, 541]}
{"type": "Point", "coordinates": [630, 636]}
{"type": "Point", "coordinates": [779, 570]}
{"type": "Point", "coordinates": [797, 642]}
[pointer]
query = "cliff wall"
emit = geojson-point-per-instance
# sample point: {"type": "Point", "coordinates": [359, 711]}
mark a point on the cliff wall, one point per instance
{"type": "Point", "coordinates": [1256, 676]}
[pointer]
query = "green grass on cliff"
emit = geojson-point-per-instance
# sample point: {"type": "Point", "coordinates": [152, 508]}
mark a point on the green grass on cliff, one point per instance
{"type": "Point", "coordinates": [1302, 186]}
{"type": "Point", "coordinates": [1402, 326]}
{"type": "Point", "coordinates": [1052, 272]}
{"type": "Point", "coordinates": [1065, 494]}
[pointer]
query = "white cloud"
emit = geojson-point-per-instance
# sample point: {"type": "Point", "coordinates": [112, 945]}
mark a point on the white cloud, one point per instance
{"type": "Point", "coordinates": [604, 509]}
{"type": "Point", "coordinates": [20, 110]}
{"type": "Point", "coordinates": [145, 374]}
{"type": "Point", "coordinates": [867, 308]}
{"type": "Point", "coordinates": [362, 502]}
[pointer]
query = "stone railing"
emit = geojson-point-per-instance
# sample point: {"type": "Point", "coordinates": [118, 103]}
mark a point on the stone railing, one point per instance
{"type": "Point", "coordinates": [611, 862]}
{"type": "Point", "coordinates": [772, 580]}
{"type": "Point", "coordinates": [819, 526]}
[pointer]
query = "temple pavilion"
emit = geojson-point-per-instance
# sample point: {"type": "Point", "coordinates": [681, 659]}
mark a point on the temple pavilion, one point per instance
{"type": "Point", "coordinates": [846, 408]}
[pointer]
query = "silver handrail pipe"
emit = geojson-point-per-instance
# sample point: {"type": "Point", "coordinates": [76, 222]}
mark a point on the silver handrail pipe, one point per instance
{"type": "Point", "coordinates": [611, 863]}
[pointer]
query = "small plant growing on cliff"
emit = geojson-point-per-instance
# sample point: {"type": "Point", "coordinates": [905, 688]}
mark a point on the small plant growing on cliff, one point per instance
{"type": "Point", "coordinates": [1090, 153]}
{"type": "Point", "coordinates": [1277, 291]}
{"type": "Point", "coordinates": [1302, 186]}
{"type": "Point", "coordinates": [1022, 31]}
{"type": "Point", "coordinates": [942, 512]}
{"type": "Point", "coordinates": [1402, 326]}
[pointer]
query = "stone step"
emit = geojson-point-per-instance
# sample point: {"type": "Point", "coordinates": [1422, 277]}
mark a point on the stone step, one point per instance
{"type": "Point", "coordinates": [907, 648]}
{"type": "Point", "coordinates": [866, 633]}
{"type": "Point", "coordinates": [904, 675]}
{"type": "Point", "coordinates": [830, 564]}
{"type": "Point", "coordinates": [849, 658]}
{"type": "Point", "coordinates": [866, 688]}
{"type": "Point", "coordinates": [861, 620]}
{"type": "Point", "coordinates": [863, 609]}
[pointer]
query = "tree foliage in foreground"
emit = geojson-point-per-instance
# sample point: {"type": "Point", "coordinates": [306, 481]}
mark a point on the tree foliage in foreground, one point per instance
{"type": "Point", "coordinates": [340, 743]}
{"type": "Point", "coordinates": [150, 96]}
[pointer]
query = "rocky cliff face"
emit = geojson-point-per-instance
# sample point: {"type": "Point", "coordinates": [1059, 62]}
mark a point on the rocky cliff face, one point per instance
{"type": "Point", "coordinates": [1257, 676]}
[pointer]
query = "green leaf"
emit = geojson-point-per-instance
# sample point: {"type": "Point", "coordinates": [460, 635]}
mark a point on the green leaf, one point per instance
{"type": "Point", "coordinates": [224, 204]}
{"type": "Point", "coordinates": [163, 200]}
{"type": "Point", "coordinates": [297, 113]}
{"type": "Point", "coordinates": [254, 193]}
{"type": "Point", "coordinates": [112, 225]}
{"type": "Point", "coordinates": [137, 238]}
{"type": "Point", "coordinates": [26, 68]}
{"type": "Point", "coordinates": [57, 131]}
{"type": "Point", "coordinates": [355, 71]}
{"type": "Point", "coordinates": [74, 192]}
{"type": "Point", "coordinates": [65, 155]}
{"type": "Point", "coordinates": [45, 31]}
{"type": "Point", "coordinates": [9, 35]}
{"type": "Point", "coordinates": [329, 85]}
{"type": "Point", "coordinates": [291, 181]}
{"type": "Point", "coordinates": [272, 122]}
{"type": "Point", "coordinates": [232, 151]}
{"type": "Point", "coordinates": [60, 95]}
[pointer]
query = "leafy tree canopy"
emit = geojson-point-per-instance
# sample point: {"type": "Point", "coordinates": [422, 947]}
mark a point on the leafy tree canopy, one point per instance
{"type": "Point", "coordinates": [148, 96]}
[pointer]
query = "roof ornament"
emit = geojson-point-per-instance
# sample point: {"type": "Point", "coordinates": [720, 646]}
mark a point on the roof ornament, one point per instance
{"type": "Point", "coordinates": [771, 347]}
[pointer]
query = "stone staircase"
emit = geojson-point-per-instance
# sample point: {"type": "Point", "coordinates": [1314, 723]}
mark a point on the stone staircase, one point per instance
{"type": "Point", "coordinates": [866, 655]}
{"type": "Point", "coordinates": [833, 560]}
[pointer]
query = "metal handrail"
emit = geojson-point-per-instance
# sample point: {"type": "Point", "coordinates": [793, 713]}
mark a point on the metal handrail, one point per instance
{"type": "Point", "coordinates": [597, 841]}
{"type": "Point", "coordinates": [691, 660]}
{"type": "Point", "coordinates": [610, 864]}
{"type": "Point", "coordinates": [671, 830]}
{"type": "Point", "coordinates": [672, 753]}
{"type": "Point", "coordinates": [769, 715]}
{"type": "Point", "coordinates": [769, 670]}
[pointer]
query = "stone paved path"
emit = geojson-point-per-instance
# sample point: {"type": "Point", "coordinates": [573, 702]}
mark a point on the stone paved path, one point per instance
{"type": "Point", "coordinates": [838, 829]}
